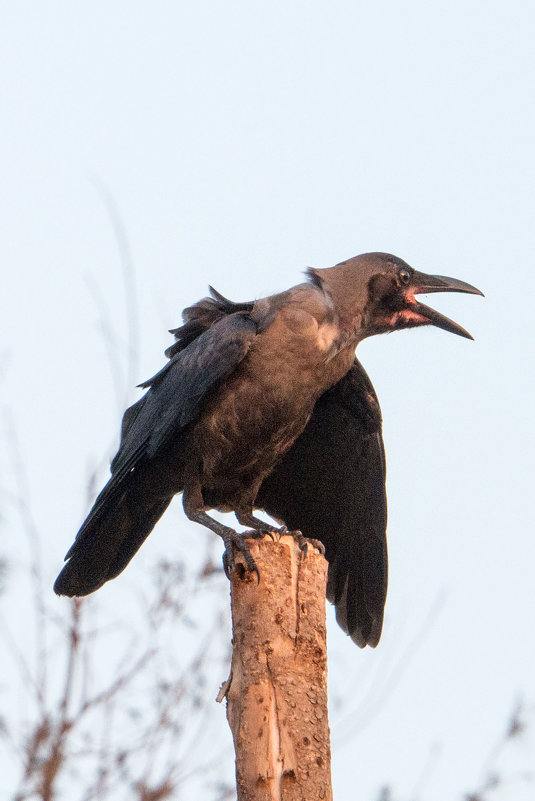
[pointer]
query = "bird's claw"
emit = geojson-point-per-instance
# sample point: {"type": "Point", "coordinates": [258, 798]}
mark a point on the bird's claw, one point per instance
{"type": "Point", "coordinates": [304, 542]}
{"type": "Point", "coordinates": [237, 541]}
{"type": "Point", "coordinates": [270, 531]}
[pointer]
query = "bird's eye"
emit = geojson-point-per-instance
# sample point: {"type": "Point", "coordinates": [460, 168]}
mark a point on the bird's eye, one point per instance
{"type": "Point", "coordinates": [404, 276]}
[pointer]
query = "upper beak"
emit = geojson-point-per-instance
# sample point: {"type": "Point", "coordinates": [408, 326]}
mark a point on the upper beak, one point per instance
{"type": "Point", "coordinates": [423, 284]}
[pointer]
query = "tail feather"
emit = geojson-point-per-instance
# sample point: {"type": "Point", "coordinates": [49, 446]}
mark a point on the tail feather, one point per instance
{"type": "Point", "coordinates": [108, 544]}
{"type": "Point", "coordinates": [136, 537]}
{"type": "Point", "coordinates": [357, 586]}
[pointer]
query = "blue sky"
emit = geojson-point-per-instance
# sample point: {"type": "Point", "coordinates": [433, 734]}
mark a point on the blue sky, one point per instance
{"type": "Point", "coordinates": [242, 142]}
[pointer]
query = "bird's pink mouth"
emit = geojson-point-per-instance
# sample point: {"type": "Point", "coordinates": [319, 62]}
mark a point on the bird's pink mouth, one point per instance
{"type": "Point", "coordinates": [416, 313]}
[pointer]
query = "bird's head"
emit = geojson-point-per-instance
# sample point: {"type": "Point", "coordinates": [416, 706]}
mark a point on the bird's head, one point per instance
{"type": "Point", "coordinates": [378, 292]}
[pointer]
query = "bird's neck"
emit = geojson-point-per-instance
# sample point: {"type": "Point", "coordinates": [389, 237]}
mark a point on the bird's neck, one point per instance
{"type": "Point", "coordinates": [349, 300]}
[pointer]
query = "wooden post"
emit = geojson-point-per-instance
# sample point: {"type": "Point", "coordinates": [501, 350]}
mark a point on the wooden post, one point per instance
{"type": "Point", "coordinates": [277, 691]}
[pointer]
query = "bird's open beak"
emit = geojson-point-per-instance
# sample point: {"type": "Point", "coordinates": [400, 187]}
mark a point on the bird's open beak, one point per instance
{"type": "Point", "coordinates": [423, 284]}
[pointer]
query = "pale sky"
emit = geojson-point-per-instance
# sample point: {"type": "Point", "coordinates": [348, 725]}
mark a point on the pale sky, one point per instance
{"type": "Point", "coordinates": [242, 142]}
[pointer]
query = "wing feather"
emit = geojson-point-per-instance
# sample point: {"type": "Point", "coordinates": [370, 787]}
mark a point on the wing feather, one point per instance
{"type": "Point", "coordinates": [331, 486]}
{"type": "Point", "coordinates": [174, 398]}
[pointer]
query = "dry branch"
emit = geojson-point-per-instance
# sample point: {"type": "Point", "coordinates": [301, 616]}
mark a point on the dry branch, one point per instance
{"type": "Point", "coordinates": [277, 692]}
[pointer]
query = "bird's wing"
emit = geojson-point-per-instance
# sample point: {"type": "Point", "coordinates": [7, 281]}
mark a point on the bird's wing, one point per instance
{"type": "Point", "coordinates": [174, 399]}
{"type": "Point", "coordinates": [331, 486]}
{"type": "Point", "coordinates": [201, 316]}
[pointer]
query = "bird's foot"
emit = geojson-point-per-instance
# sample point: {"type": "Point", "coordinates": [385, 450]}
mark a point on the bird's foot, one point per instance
{"type": "Point", "coordinates": [271, 531]}
{"type": "Point", "coordinates": [304, 542]}
{"type": "Point", "coordinates": [259, 528]}
{"type": "Point", "coordinates": [232, 541]}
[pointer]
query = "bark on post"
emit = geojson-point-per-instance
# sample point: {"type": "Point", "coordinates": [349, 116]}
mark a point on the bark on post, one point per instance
{"type": "Point", "coordinates": [277, 692]}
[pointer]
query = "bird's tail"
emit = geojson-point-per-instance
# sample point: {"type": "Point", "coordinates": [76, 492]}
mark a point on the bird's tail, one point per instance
{"type": "Point", "coordinates": [106, 542]}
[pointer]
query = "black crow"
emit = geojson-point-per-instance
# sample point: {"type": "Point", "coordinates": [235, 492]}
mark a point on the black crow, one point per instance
{"type": "Point", "coordinates": [263, 405]}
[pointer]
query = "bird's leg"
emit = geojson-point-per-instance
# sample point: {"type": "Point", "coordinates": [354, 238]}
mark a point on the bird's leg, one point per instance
{"type": "Point", "coordinates": [230, 537]}
{"type": "Point", "coordinates": [259, 527]}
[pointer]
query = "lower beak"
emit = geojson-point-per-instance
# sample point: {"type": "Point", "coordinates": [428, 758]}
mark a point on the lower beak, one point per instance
{"type": "Point", "coordinates": [423, 284]}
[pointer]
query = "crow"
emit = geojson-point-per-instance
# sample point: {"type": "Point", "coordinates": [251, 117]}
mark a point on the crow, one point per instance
{"type": "Point", "coordinates": [264, 405]}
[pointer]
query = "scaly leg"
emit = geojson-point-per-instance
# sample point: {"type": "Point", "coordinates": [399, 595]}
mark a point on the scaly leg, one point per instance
{"type": "Point", "coordinates": [192, 500]}
{"type": "Point", "coordinates": [260, 527]}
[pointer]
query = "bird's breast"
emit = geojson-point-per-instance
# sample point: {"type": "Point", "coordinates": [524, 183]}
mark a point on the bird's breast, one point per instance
{"type": "Point", "coordinates": [258, 412]}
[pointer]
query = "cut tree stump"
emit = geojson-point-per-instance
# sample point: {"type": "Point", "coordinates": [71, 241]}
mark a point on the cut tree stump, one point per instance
{"type": "Point", "coordinates": [277, 690]}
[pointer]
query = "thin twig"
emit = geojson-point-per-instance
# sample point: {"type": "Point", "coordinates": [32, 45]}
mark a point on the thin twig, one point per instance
{"type": "Point", "coordinates": [129, 283]}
